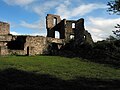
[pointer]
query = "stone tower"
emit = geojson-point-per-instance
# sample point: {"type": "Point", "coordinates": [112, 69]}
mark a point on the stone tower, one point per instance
{"type": "Point", "coordinates": [4, 28]}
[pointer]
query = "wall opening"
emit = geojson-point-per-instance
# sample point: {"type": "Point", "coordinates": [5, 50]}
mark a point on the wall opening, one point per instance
{"type": "Point", "coordinates": [55, 21]}
{"type": "Point", "coordinates": [57, 34]}
{"type": "Point", "coordinates": [71, 36]}
{"type": "Point", "coordinates": [73, 25]}
{"type": "Point", "coordinates": [84, 37]}
{"type": "Point", "coordinates": [28, 51]}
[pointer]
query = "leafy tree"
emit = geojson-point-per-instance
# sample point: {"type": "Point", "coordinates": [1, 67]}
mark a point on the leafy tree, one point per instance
{"type": "Point", "coordinates": [114, 8]}
{"type": "Point", "coordinates": [111, 38]}
{"type": "Point", "coordinates": [117, 32]}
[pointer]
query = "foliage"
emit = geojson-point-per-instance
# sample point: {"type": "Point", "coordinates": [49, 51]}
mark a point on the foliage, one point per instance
{"type": "Point", "coordinates": [106, 51]}
{"type": "Point", "coordinates": [111, 38]}
{"type": "Point", "coordinates": [114, 7]}
{"type": "Point", "coordinates": [117, 32]}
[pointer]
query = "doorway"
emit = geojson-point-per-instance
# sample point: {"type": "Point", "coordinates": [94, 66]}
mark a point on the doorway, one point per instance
{"type": "Point", "coordinates": [28, 51]}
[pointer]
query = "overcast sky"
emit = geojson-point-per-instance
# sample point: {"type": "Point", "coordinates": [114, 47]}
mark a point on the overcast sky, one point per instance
{"type": "Point", "coordinates": [28, 16]}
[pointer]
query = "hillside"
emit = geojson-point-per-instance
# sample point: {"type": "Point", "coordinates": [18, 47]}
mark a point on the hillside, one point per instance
{"type": "Point", "coordinates": [53, 72]}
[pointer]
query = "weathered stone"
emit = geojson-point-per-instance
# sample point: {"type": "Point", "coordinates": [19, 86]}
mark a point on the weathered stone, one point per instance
{"type": "Point", "coordinates": [4, 28]}
{"type": "Point", "coordinates": [88, 38]}
{"type": "Point", "coordinates": [54, 23]}
{"type": "Point", "coordinates": [35, 45]}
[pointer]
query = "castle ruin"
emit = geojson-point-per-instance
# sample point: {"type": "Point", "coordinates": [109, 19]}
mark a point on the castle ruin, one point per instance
{"type": "Point", "coordinates": [36, 45]}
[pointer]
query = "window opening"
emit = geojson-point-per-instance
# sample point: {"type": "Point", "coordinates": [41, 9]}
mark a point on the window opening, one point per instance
{"type": "Point", "coordinates": [73, 25]}
{"type": "Point", "coordinates": [55, 21]}
{"type": "Point", "coordinates": [57, 34]}
{"type": "Point", "coordinates": [71, 36]}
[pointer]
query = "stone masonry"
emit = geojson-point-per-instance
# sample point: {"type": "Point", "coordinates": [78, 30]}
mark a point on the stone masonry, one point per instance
{"type": "Point", "coordinates": [36, 45]}
{"type": "Point", "coordinates": [68, 29]}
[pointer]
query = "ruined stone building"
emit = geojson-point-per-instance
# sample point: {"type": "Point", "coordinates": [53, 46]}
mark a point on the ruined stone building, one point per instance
{"type": "Point", "coordinates": [35, 45]}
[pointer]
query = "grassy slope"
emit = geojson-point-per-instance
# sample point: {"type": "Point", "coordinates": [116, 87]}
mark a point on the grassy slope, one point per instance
{"type": "Point", "coordinates": [64, 68]}
{"type": "Point", "coordinates": [60, 67]}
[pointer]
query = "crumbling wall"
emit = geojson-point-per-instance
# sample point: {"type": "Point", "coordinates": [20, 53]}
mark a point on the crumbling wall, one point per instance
{"type": "Point", "coordinates": [4, 28]}
{"type": "Point", "coordinates": [27, 45]}
{"type": "Point", "coordinates": [79, 31]}
{"type": "Point", "coordinates": [88, 37]}
{"type": "Point", "coordinates": [31, 45]}
{"type": "Point", "coordinates": [69, 29]}
{"type": "Point", "coordinates": [16, 52]}
{"type": "Point", "coordinates": [17, 43]}
{"type": "Point", "coordinates": [51, 22]}
{"type": "Point", "coordinates": [40, 45]}
{"type": "Point", "coordinates": [54, 23]}
{"type": "Point", "coordinates": [35, 45]}
{"type": "Point", "coordinates": [3, 50]}
{"type": "Point", "coordinates": [5, 38]}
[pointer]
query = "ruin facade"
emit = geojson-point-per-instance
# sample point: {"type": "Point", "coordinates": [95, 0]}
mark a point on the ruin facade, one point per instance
{"type": "Point", "coordinates": [35, 45]}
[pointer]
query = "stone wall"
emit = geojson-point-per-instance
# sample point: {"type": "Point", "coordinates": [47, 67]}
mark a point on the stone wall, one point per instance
{"type": "Point", "coordinates": [51, 22]}
{"type": "Point", "coordinates": [54, 23]}
{"type": "Point", "coordinates": [39, 45]}
{"type": "Point", "coordinates": [79, 31]}
{"type": "Point", "coordinates": [4, 28]}
{"type": "Point", "coordinates": [69, 30]}
{"type": "Point", "coordinates": [5, 38]}
{"type": "Point", "coordinates": [88, 37]}
{"type": "Point", "coordinates": [16, 52]}
{"type": "Point", "coordinates": [33, 45]}
{"type": "Point", "coordinates": [3, 50]}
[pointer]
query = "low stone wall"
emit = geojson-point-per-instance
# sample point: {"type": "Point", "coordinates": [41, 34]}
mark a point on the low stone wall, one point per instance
{"type": "Point", "coordinates": [55, 40]}
{"type": "Point", "coordinates": [3, 50]}
{"type": "Point", "coordinates": [5, 37]}
{"type": "Point", "coordinates": [35, 45]}
{"type": "Point", "coordinates": [16, 52]}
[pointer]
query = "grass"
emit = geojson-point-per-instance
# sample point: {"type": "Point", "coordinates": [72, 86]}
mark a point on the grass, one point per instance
{"type": "Point", "coordinates": [60, 69]}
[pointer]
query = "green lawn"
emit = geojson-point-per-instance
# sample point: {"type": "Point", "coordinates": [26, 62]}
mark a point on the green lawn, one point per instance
{"type": "Point", "coordinates": [17, 71]}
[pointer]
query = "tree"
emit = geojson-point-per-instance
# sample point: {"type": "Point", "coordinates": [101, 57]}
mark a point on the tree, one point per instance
{"type": "Point", "coordinates": [117, 32]}
{"type": "Point", "coordinates": [111, 38]}
{"type": "Point", "coordinates": [114, 8]}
